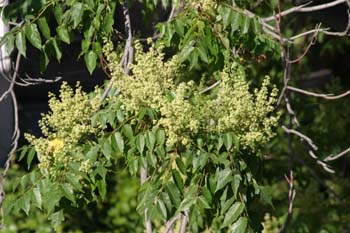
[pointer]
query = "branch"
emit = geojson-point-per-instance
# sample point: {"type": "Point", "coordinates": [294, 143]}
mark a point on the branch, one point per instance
{"type": "Point", "coordinates": [312, 147]}
{"type": "Point", "coordinates": [324, 96]}
{"type": "Point", "coordinates": [334, 157]}
{"type": "Point", "coordinates": [302, 136]}
{"type": "Point", "coordinates": [169, 224]}
{"type": "Point", "coordinates": [13, 80]}
{"type": "Point", "coordinates": [128, 54]}
{"type": "Point", "coordinates": [291, 198]}
{"type": "Point", "coordinates": [15, 138]}
{"type": "Point", "coordinates": [312, 42]}
{"type": "Point", "coordinates": [304, 9]}
{"type": "Point", "coordinates": [210, 87]}
{"type": "Point", "coordinates": [184, 221]}
{"type": "Point", "coordinates": [143, 178]}
{"type": "Point", "coordinates": [317, 178]}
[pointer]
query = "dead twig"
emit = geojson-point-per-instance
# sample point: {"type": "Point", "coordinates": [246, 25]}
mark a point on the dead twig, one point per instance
{"type": "Point", "coordinates": [15, 138]}
{"type": "Point", "coordinates": [303, 8]}
{"type": "Point", "coordinates": [291, 199]}
{"type": "Point", "coordinates": [337, 156]}
{"type": "Point", "coordinates": [324, 96]}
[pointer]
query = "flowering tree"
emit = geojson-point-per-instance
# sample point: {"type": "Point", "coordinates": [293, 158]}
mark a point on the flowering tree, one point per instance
{"type": "Point", "coordinates": [188, 110]}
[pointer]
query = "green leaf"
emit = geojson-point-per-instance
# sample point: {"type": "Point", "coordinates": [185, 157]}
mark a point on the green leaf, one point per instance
{"type": "Point", "coordinates": [33, 35]}
{"type": "Point", "coordinates": [193, 58]}
{"type": "Point", "coordinates": [179, 28]}
{"type": "Point", "coordinates": [203, 159]}
{"type": "Point", "coordinates": [223, 178]}
{"type": "Point", "coordinates": [58, 52]}
{"type": "Point", "coordinates": [102, 188]}
{"type": "Point", "coordinates": [90, 60]}
{"type": "Point", "coordinates": [107, 148]}
{"type": "Point", "coordinates": [21, 43]}
{"type": "Point", "coordinates": [160, 137]}
{"type": "Point", "coordinates": [181, 165]}
{"type": "Point", "coordinates": [236, 21]}
{"type": "Point", "coordinates": [202, 54]}
{"type": "Point", "coordinates": [120, 142]}
{"type": "Point", "coordinates": [56, 219]}
{"type": "Point", "coordinates": [246, 24]}
{"type": "Point", "coordinates": [44, 27]}
{"type": "Point", "coordinates": [162, 208]}
{"type": "Point", "coordinates": [227, 17]}
{"type": "Point", "coordinates": [235, 183]}
{"type": "Point", "coordinates": [37, 199]}
{"type": "Point", "coordinates": [256, 25]}
{"type": "Point", "coordinates": [140, 143]}
{"type": "Point", "coordinates": [228, 141]}
{"type": "Point", "coordinates": [91, 3]}
{"type": "Point", "coordinates": [240, 226]}
{"type": "Point", "coordinates": [74, 181]}
{"type": "Point", "coordinates": [24, 203]}
{"type": "Point", "coordinates": [178, 180]}
{"type": "Point", "coordinates": [44, 59]}
{"type": "Point", "coordinates": [174, 193]}
{"type": "Point", "coordinates": [266, 194]}
{"type": "Point", "coordinates": [127, 130]}
{"type": "Point", "coordinates": [189, 200]}
{"type": "Point", "coordinates": [30, 157]}
{"type": "Point", "coordinates": [77, 13]}
{"type": "Point", "coordinates": [233, 214]}
{"type": "Point", "coordinates": [150, 140]}
{"type": "Point", "coordinates": [68, 192]}
{"type": "Point", "coordinates": [202, 201]}
{"type": "Point", "coordinates": [10, 43]}
{"type": "Point", "coordinates": [107, 24]}
{"type": "Point", "coordinates": [58, 12]}
{"type": "Point", "coordinates": [63, 33]}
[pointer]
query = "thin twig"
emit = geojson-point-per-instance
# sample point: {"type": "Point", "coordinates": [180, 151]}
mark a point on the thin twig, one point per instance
{"type": "Point", "coordinates": [14, 144]}
{"type": "Point", "coordinates": [13, 80]}
{"type": "Point", "coordinates": [303, 8]}
{"type": "Point", "coordinates": [128, 54]}
{"type": "Point", "coordinates": [324, 96]}
{"type": "Point", "coordinates": [210, 87]}
{"type": "Point", "coordinates": [291, 199]}
{"type": "Point", "coordinates": [312, 42]}
{"type": "Point", "coordinates": [302, 136]}
{"type": "Point", "coordinates": [337, 156]}
{"type": "Point", "coordinates": [317, 178]}
{"type": "Point", "coordinates": [308, 141]}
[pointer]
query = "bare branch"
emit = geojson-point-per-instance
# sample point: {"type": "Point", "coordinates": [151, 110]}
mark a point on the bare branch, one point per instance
{"type": "Point", "coordinates": [324, 96]}
{"type": "Point", "coordinates": [14, 76]}
{"type": "Point", "coordinates": [184, 221]}
{"type": "Point", "coordinates": [337, 156]}
{"type": "Point", "coordinates": [169, 224]}
{"type": "Point", "coordinates": [312, 146]}
{"type": "Point", "coordinates": [210, 87]}
{"type": "Point", "coordinates": [291, 199]}
{"type": "Point", "coordinates": [302, 136]}
{"type": "Point", "coordinates": [15, 138]}
{"type": "Point", "coordinates": [128, 54]}
{"type": "Point", "coordinates": [312, 42]}
{"type": "Point", "coordinates": [303, 9]}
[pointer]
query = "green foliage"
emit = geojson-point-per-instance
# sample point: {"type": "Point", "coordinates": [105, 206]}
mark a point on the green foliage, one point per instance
{"type": "Point", "coordinates": [202, 147]}
{"type": "Point", "coordinates": [202, 167]}
{"type": "Point", "coordinates": [93, 19]}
